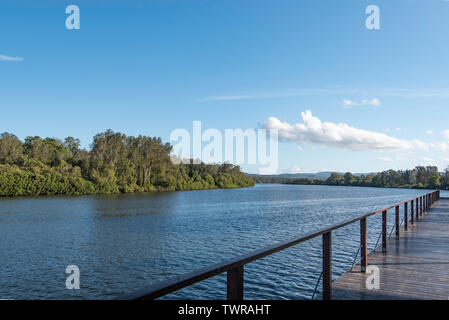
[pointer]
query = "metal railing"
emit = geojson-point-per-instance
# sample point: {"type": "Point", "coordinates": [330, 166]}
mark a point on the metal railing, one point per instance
{"type": "Point", "coordinates": [235, 267]}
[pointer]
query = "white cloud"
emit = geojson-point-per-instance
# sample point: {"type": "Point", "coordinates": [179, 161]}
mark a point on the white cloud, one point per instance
{"type": "Point", "coordinates": [283, 93]}
{"type": "Point", "coordinates": [348, 103]}
{"type": "Point", "coordinates": [446, 134]}
{"type": "Point", "coordinates": [429, 132]}
{"type": "Point", "coordinates": [294, 169]}
{"type": "Point", "coordinates": [429, 160]}
{"type": "Point", "coordinates": [341, 135]}
{"type": "Point", "coordinates": [384, 159]}
{"type": "Point", "coordinates": [365, 102]}
{"type": "Point", "coordinates": [443, 146]}
{"type": "Point", "coordinates": [374, 102]}
{"type": "Point", "coordinates": [439, 93]}
{"type": "Point", "coordinates": [6, 58]}
{"type": "Point", "coordinates": [401, 158]}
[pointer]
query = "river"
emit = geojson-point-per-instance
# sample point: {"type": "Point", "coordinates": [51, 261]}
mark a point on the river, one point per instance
{"type": "Point", "coordinates": [123, 242]}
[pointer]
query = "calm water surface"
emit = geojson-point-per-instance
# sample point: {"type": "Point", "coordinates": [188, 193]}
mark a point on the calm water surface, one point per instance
{"type": "Point", "coordinates": [124, 242]}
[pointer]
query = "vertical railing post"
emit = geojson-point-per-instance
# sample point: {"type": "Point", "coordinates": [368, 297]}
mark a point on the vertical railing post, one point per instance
{"type": "Point", "coordinates": [412, 208]}
{"type": "Point", "coordinates": [327, 266]}
{"type": "Point", "coordinates": [406, 215]}
{"type": "Point", "coordinates": [417, 208]}
{"type": "Point", "coordinates": [384, 231]}
{"type": "Point", "coordinates": [398, 222]}
{"type": "Point", "coordinates": [420, 206]}
{"type": "Point", "coordinates": [423, 206]}
{"type": "Point", "coordinates": [363, 246]}
{"type": "Point", "coordinates": [235, 284]}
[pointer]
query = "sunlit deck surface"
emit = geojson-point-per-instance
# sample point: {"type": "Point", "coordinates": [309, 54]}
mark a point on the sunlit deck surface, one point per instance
{"type": "Point", "coordinates": [414, 267]}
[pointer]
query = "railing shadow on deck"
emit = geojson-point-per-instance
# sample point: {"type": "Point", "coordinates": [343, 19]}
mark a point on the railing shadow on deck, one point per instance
{"type": "Point", "coordinates": [235, 266]}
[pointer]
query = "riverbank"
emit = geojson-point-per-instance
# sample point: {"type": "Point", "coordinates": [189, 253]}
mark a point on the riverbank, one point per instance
{"type": "Point", "coordinates": [419, 177]}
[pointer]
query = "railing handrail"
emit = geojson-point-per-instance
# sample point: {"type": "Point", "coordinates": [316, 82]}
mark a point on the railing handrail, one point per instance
{"type": "Point", "coordinates": [176, 283]}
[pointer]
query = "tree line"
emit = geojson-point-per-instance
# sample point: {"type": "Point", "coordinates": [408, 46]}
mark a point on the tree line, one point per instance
{"type": "Point", "coordinates": [115, 163]}
{"type": "Point", "coordinates": [419, 177]}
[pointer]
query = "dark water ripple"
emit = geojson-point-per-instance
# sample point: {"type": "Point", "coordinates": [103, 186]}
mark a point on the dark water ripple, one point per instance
{"type": "Point", "coordinates": [124, 242]}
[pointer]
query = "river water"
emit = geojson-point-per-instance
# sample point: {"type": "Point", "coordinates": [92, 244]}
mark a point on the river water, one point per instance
{"type": "Point", "coordinates": [124, 242]}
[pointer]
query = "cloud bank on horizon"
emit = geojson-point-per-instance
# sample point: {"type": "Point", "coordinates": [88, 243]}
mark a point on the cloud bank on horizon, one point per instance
{"type": "Point", "coordinates": [341, 135]}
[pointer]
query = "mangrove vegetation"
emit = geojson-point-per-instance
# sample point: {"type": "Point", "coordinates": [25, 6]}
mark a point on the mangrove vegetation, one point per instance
{"type": "Point", "coordinates": [115, 163]}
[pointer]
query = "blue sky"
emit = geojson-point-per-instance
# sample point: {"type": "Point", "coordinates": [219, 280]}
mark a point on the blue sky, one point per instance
{"type": "Point", "coordinates": [149, 67]}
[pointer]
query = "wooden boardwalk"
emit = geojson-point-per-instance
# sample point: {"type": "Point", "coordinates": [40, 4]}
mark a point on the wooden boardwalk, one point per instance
{"type": "Point", "coordinates": [414, 267]}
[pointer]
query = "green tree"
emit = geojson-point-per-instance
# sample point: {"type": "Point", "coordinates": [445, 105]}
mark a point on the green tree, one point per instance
{"type": "Point", "coordinates": [349, 178]}
{"type": "Point", "coordinates": [435, 180]}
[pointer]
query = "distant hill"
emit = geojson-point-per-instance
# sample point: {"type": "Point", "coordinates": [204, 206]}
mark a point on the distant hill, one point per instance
{"type": "Point", "coordinates": [283, 177]}
{"type": "Point", "coordinates": [318, 175]}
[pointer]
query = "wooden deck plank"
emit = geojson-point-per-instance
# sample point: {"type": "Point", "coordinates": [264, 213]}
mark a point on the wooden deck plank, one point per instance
{"type": "Point", "coordinates": [415, 267]}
